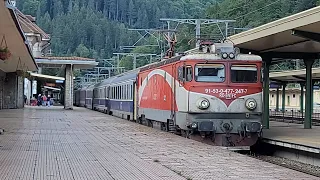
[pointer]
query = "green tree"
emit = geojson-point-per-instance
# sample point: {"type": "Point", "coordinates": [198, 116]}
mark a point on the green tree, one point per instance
{"type": "Point", "coordinates": [82, 51]}
{"type": "Point", "coordinates": [30, 7]}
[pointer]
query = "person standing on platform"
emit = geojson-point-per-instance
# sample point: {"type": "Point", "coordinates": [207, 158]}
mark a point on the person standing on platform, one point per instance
{"type": "Point", "coordinates": [39, 100]}
{"type": "Point", "coordinates": [49, 100]}
{"type": "Point", "coordinates": [44, 99]}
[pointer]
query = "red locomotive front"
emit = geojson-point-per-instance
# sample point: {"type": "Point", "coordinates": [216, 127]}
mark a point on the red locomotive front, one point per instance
{"type": "Point", "coordinates": [213, 94]}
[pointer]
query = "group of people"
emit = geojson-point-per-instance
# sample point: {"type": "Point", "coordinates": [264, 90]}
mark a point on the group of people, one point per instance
{"type": "Point", "coordinates": [44, 100]}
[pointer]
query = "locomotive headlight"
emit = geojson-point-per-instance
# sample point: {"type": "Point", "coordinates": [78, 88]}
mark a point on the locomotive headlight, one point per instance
{"type": "Point", "coordinates": [231, 55]}
{"type": "Point", "coordinates": [251, 104]}
{"type": "Point", "coordinates": [224, 55]}
{"type": "Point", "coordinates": [203, 103]}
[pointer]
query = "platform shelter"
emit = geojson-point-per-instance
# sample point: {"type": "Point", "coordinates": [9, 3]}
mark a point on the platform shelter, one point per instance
{"type": "Point", "coordinates": [68, 64]}
{"type": "Point", "coordinates": [292, 37]}
{"type": "Point", "coordinates": [281, 80]}
{"type": "Point", "coordinates": [13, 68]}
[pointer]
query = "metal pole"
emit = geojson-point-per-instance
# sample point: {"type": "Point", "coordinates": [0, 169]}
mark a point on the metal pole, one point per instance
{"type": "Point", "coordinates": [198, 31]}
{"type": "Point", "coordinates": [227, 29]}
{"type": "Point", "coordinates": [134, 61]}
{"type": "Point", "coordinates": [266, 95]}
{"type": "Point", "coordinates": [277, 99]}
{"type": "Point", "coordinates": [118, 63]}
{"type": "Point", "coordinates": [301, 97]}
{"type": "Point", "coordinates": [284, 97]}
{"type": "Point", "coordinates": [312, 101]}
{"type": "Point", "coordinates": [169, 34]}
{"type": "Point", "coordinates": [308, 103]}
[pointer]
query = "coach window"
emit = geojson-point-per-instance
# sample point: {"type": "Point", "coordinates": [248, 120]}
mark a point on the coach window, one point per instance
{"type": "Point", "coordinates": [111, 93]}
{"type": "Point", "coordinates": [125, 91]}
{"type": "Point", "coordinates": [122, 92]}
{"type": "Point", "coordinates": [130, 89]}
{"type": "Point", "coordinates": [244, 73]}
{"type": "Point", "coordinates": [210, 73]}
{"type": "Point", "coordinates": [128, 92]}
{"type": "Point", "coordinates": [118, 92]}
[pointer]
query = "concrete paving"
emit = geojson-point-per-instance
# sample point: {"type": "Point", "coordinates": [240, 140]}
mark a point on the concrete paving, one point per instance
{"type": "Point", "coordinates": [293, 133]}
{"type": "Point", "coordinates": [52, 143]}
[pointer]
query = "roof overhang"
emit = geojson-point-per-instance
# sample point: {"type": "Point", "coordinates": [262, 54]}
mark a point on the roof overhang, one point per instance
{"type": "Point", "coordinates": [10, 29]}
{"type": "Point", "coordinates": [46, 76]}
{"type": "Point", "coordinates": [52, 88]}
{"type": "Point", "coordinates": [295, 36]}
{"type": "Point", "coordinates": [77, 64]}
{"type": "Point", "coordinates": [294, 76]}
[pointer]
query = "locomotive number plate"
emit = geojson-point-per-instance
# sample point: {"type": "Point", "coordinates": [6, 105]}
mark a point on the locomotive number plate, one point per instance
{"type": "Point", "coordinates": [226, 93]}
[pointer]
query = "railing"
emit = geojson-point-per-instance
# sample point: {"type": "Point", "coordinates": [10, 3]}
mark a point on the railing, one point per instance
{"type": "Point", "coordinates": [293, 116]}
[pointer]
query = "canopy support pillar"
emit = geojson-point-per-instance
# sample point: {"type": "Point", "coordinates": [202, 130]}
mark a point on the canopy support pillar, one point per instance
{"type": "Point", "coordinates": [308, 103]}
{"type": "Point", "coordinates": [284, 97]}
{"type": "Point", "coordinates": [277, 99]}
{"type": "Point", "coordinates": [68, 90]}
{"type": "Point", "coordinates": [301, 97]}
{"type": "Point", "coordinates": [266, 85]}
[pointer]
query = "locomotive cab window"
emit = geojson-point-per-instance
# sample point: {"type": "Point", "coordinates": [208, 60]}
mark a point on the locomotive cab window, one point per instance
{"type": "Point", "coordinates": [244, 73]}
{"type": "Point", "coordinates": [210, 73]}
{"type": "Point", "coordinates": [185, 73]}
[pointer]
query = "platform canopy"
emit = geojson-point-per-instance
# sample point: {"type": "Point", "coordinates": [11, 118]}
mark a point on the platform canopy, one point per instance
{"type": "Point", "coordinates": [294, 75]}
{"type": "Point", "coordinates": [77, 62]}
{"type": "Point", "coordinates": [295, 36]}
{"type": "Point", "coordinates": [11, 36]}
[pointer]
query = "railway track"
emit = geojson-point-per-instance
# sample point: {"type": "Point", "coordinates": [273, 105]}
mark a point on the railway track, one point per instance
{"type": "Point", "coordinates": [265, 152]}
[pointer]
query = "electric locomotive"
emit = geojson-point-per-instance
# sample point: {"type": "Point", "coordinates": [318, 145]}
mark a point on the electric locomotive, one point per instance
{"type": "Point", "coordinates": [212, 93]}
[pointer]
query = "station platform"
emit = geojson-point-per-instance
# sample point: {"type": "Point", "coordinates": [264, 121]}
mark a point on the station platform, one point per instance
{"type": "Point", "coordinates": [293, 136]}
{"type": "Point", "coordinates": [53, 143]}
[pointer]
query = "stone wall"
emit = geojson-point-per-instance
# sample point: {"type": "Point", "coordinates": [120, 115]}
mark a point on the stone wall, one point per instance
{"type": "Point", "coordinates": [10, 91]}
{"type": "Point", "coordinates": [2, 76]}
{"type": "Point", "coordinates": [20, 90]}
{"type": "Point", "coordinates": [68, 94]}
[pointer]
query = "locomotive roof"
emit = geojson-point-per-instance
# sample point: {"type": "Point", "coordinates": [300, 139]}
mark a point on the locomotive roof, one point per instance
{"type": "Point", "coordinates": [197, 55]}
{"type": "Point", "coordinates": [207, 56]}
{"type": "Point", "coordinates": [193, 54]}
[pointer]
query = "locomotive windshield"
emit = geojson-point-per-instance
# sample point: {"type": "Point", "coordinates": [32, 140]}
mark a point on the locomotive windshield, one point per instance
{"type": "Point", "coordinates": [244, 73]}
{"type": "Point", "coordinates": [210, 73]}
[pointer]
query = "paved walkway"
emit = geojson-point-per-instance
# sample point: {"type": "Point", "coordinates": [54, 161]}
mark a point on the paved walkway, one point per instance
{"type": "Point", "coordinates": [50, 143]}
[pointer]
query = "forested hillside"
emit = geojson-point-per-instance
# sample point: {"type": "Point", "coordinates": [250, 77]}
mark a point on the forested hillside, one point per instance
{"type": "Point", "coordinates": [97, 28]}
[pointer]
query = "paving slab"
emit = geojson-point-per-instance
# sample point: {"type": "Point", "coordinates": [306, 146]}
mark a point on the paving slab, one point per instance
{"type": "Point", "coordinates": [293, 133]}
{"type": "Point", "coordinates": [52, 143]}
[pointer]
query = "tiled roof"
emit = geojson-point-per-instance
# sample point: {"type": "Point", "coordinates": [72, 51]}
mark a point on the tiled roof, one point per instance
{"type": "Point", "coordinates": [28, 25]}
{"type": "Point", "coordinates": [66, 58]}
